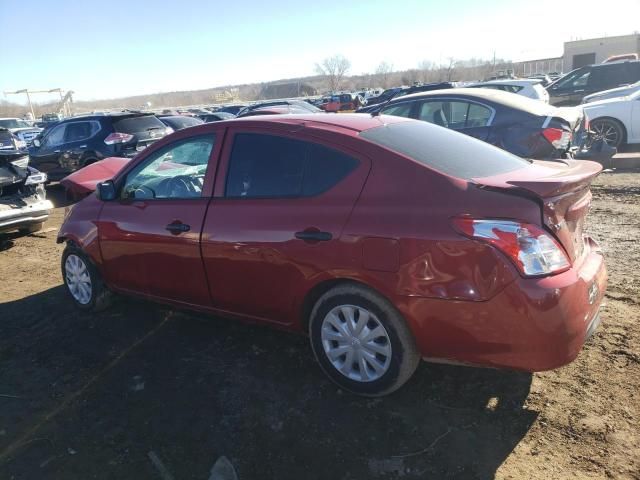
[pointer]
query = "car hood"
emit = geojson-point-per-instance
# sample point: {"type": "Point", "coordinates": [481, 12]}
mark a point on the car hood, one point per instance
{"type": "Point", "coordinates": [84, 181]}
{"type": "Point", "coordinates": [606, 101]}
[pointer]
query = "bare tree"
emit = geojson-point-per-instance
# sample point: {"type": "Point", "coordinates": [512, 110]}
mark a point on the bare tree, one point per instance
{"type": "Point", "coordinates": [450, 69]}
{"type": "Point", "coordinates": [334, 68]}
{"type": "Point", "coordinates": [411, 76]}
{"type": "Point", "coordinates": [426, 70]}
{"type": "Point", "coordinates": [383, 72]}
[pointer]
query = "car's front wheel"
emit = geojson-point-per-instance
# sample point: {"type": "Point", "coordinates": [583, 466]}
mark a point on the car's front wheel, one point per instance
{"type": "Point", "coordinates": [83, 281]}
{"type": "Point", "coordinates": [361, 341]}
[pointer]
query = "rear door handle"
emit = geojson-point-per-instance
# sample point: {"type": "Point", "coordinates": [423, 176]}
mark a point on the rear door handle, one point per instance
{"type": "Point", "coordinates": [313, 236]}
{"type": "Point", "coordinates": [178, 227]}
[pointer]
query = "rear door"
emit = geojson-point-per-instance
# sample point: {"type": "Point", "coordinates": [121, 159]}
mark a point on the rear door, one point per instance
{"type": "Point", "coordinates": [150, 236]}
{"type": "Point", "coordinates": [75, 145]}
{"type": "Point", "coordinates": [275, 222]}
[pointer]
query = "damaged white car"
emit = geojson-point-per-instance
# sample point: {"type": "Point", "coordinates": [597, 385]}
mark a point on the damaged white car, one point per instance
{"type": "Point", "coordinates": [23, 203]}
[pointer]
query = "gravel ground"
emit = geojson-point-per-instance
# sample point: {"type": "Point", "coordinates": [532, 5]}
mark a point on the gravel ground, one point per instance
{"type": "Point", "coordinates": [90, 396]}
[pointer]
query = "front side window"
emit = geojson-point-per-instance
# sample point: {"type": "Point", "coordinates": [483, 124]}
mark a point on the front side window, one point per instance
{"type": "Point", "coordinates": [578, 78]}
{"type": "Point", "coordinates": [176, 171]}
{"type": "Point", "coordinates": [55, 137]}
{"type": "Point", "coordinates": [269, 166]}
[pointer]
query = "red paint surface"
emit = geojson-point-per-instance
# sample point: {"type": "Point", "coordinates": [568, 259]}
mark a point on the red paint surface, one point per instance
{"type": "Point", "coordinates": [462, 299]}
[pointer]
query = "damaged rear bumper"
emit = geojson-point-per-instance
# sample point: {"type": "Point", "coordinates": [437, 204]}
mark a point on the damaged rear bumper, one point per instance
{"type": "Point", "coordinates": [23, 212]}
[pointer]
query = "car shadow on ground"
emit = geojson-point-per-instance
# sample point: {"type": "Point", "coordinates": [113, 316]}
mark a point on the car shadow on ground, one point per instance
{"type": "Point", "coordinates": [93, 394]}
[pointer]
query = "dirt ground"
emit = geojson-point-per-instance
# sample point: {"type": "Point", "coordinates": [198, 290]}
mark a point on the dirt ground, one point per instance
{"type": "Point", "coordinates": [90, 396]}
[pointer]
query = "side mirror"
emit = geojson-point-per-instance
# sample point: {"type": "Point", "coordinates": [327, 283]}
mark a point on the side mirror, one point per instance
{"type": "Point", "coordinates": [106, 191]}
{"type": "Point", "coordinates": [36, 143]}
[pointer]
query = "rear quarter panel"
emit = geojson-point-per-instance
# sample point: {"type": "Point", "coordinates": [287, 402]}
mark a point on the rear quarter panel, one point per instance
{"type": "Point", "coordinates": [406, 203]}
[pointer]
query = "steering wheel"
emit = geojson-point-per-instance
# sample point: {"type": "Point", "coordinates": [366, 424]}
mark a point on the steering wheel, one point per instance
{"type": "Point", "coordinates": [180, 187]}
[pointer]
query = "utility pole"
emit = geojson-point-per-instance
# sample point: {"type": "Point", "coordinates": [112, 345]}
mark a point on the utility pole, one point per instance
{"type": "Point", "coordinates": [27, 92]}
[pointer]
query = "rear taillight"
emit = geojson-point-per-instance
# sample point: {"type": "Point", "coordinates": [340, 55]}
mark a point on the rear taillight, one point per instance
{"type": "Point", "coordinates": [557, 137]}
{"type": "Point", "coordinates": [533, 251]}
{"type": "Point", "coordinates": [118, 137]}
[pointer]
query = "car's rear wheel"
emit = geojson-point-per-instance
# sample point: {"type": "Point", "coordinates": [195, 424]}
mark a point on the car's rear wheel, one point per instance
{"type": "Point", "coordinates": [83, 281]}
{"type": "Point", "coordinates": [361, 341]}
{"type": "Point", "coordinates": [609, 130]}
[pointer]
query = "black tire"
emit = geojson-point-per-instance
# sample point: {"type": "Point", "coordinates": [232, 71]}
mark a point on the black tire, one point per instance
{"type": "Point", "coordinates": [100, 297]}
{"type": "Point", "coordinates": [610, 130]}
{"type": "Point", "coordinates": [33, 228]}
{"type": "Point", "coordinates": [404, 357]}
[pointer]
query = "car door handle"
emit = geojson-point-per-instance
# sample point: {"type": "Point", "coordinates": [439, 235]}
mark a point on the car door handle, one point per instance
{"type": "Point", "coordinates": [178, 227]}
{"type": "Point", "coordinates": [56, 151]}
{"type": "Point", "coordinates": [313, 236]}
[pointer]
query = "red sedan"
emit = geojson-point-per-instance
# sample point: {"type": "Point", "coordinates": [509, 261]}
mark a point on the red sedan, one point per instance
{"type": "Point", "coordinates": [385, 239]}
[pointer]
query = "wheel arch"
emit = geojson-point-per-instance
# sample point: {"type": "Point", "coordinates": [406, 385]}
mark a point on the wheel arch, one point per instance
{"type": "Point", "coordinates": [322, 287]}
{"type": "Point", "coordinates": [617, 121]}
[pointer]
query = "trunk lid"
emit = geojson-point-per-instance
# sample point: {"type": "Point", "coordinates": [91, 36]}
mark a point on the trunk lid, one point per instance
{"type": "Point", "coordinates": [563, 191]}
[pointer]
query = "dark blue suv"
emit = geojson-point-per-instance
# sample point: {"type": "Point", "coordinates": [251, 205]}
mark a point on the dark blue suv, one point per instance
{"type": "Point", "coordinates": [78, 141]}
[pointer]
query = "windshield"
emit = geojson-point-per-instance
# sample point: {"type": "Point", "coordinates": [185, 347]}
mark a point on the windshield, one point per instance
{"type": "Point", "coordinates": [444, 150]}
{"type": "Point", "coordinates": [13, 123]}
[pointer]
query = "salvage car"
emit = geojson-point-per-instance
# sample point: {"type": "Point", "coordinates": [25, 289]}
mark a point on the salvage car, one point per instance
{"type": "Point", "coordinates": [216, 117]}
{"type": "Point", "coordinates": [20, 128]}
{"type": "Point", "coordinates": [520, 125]}
{"type": "Point", "coordinates": [612, 93]}
{"type": "Point", "coordinates": [385, 239]}
{"type": "Point", "coordinates": [526, 87]}
{"type": "Point", "coordinates": [616, 120]}
{"type": "Point", "coordinates": [574, 86]}
{"type": "Point", "coordinates": [78, 141]}
{"type": "Point", "coordinates": [178, 122]}
{"type": "Point", "coordinates": [23, 200]}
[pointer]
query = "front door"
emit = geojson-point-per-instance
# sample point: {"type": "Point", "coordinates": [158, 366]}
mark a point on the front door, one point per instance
{"type": "Point", "coordinates": [150, 236]}
{"type": "Point", "coordinates": [275, 220]}
{"type": "Point", "coordinates": [46, 157]}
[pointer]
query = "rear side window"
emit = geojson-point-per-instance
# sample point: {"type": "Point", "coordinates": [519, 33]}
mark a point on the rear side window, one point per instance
{"type": "Point", "coordinates": [444, 150]}
{"type": "Point", "coordinates": [77, 131]}
{"type": "Point", "coordinates": [133, 125]}
{"type": "Point", "coordinates": [269, 166]}
{"type": "Point", "coordinates": [401, 110]}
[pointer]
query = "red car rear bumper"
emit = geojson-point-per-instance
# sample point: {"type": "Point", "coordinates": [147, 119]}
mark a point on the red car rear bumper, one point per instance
{"type": "Point", "coordinates": [533, 324]}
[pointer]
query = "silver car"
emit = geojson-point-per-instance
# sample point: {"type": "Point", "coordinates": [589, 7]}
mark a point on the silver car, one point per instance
{"type": "Point", "coordinates": [612, 93]}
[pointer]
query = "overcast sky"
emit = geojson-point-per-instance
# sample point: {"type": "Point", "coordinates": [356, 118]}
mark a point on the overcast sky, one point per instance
{"type": "Point", "coordinates": [118, 48]}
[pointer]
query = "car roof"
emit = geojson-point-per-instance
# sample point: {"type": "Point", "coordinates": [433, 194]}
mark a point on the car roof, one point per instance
{"type": "Point", "coordinates": [100, 116]}
{"type": "Point", "coordinates": [507, 99]}
{"type": "Point", "coordinates": [357, 122]}
{"type": "Point", "coordinates": [511, 81]}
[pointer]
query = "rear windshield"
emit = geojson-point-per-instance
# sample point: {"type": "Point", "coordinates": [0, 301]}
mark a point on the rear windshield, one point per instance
{"type": "Point", "coordinates": [138, 124]}
{"type": "Point", "coordinates": [183, 122]}
{"type": "Point", "coordinates": [444, 150]}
